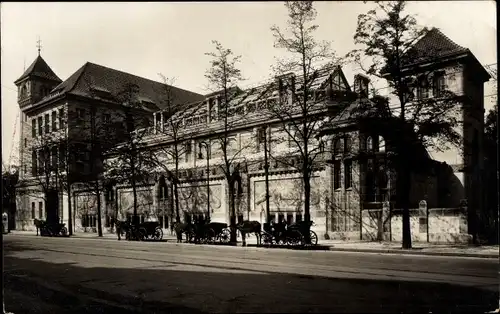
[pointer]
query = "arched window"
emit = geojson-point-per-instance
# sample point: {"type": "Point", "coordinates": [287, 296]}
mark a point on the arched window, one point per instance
{"type": "Point", "coordinates": [369, 143]}
{"type": "Point", "coordinates": [381, 144]}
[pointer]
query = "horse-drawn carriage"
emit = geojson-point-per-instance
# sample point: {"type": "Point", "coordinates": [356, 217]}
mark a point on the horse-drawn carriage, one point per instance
{"type": "Point", "coordinates": [279, 233]}
{"type": "Point", "coordinates": [203, 232]}
{"type": "Point", "coordinates": [50, 229]}
{"type": "Point", "coordinates": [148, 230]}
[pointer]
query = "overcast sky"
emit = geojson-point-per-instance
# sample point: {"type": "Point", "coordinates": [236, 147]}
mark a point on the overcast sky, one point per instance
{"type": "Point", "coordinates": [147, 38]}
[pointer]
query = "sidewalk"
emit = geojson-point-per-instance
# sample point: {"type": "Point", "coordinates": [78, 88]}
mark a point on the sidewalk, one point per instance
{"type": "Point", "coordinates": [487, 251]}
{"type": "Point", "coordinates": [418, 248]}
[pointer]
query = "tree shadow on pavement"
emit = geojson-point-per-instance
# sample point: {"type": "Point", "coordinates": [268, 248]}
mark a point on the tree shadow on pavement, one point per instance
{"type": "Point", "coordinates": [175, 288]}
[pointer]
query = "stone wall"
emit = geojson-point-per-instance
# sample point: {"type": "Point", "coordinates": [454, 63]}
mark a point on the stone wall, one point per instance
{"type": "Point", "coordinates": [435, 225]}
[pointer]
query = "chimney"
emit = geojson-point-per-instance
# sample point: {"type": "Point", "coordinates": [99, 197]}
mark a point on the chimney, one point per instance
{"type": "Point", "coordinates": [361, 83]}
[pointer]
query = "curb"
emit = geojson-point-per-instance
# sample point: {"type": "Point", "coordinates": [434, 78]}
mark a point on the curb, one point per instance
{"type": "Point", "coordinates": [321, 248]}
{"type": "Point", "coordinates": [412, 252]}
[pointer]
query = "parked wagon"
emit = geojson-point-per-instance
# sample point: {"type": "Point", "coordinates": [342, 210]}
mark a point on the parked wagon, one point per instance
{"type": "Point", "coordinates": [290, 235]}
{"type": "Point", "coordinates": [151, 230]}
{"type": "Point", "coordinates": [207, 233]}
{"type": "Point", "coordinates": [51, 229]}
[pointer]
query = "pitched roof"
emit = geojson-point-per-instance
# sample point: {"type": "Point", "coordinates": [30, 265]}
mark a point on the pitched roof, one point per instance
{"type": "Point", "coordinates": [433, 45]}
{"type": "Point", "coordinates": [93, 80]}
{"type": "Point", "coordinates": [39, 68]}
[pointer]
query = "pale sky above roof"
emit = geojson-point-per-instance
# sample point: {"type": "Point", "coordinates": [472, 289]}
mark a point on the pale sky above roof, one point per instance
{"type": "Point", "coordinates": [171, 38]}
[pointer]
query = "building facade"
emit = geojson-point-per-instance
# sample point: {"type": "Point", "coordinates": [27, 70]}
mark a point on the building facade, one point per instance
{"type": "Point", "coordinates": [204, 151]}
{"type": "Point", "coordinates": [65, 126]}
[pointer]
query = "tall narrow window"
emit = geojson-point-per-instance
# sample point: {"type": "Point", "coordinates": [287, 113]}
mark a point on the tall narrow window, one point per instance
{"type": "Point", "coordinates": [261, 137]}
{"type": "Point", "coordinates": [40, 126]}
{"type": "Point", "coordinates": [348, 174]}
{"type": "Point", "coordinates": [423, 88]}
{"type": "Point", "coordinates": [337, 146]}
{"type": "Point", "coordinates": [61, 118]}
{"type": "Point", "coordinates": [369, 143]}
{"type": "Point", "coordinates": [33, 128]}
{"type": "Point", "coordinates": [187, 148]}
{"type": "Point", "coordinates": [381, 144]}
{"type": "Point", "coordinates": [337, 175]}
{"type": "Point", "coordinates": [347, 144]}
{"type": "Point", "coordinates": [40, 210]}
{"type": "Point", "coordinates": [33, 210]}
{"type": "Point", "coordinates": [54, 158]}
{"type": "Point", "coordinates": [25, 142]}
{"type": "Point", "coordinates": [34, 162]}
{"type": "Point", "coordinates": [47, 123]}
{"type": "Point", "coordinates": [62, 156]}
{"type": "Point", "coordinates": [54, 121]}
{"type": "Point", "coordinates": [439, 84]}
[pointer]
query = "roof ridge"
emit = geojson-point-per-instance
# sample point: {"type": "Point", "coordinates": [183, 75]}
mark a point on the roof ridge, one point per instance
{"type": "Point", "coordinates": [137, 76]}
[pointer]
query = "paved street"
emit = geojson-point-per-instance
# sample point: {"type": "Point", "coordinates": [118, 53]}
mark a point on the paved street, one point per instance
{"type": "Point", "coordinates": [60, 275]}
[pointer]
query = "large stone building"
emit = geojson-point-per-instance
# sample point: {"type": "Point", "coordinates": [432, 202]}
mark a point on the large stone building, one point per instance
{"type": "Point", "coordinates": [351, 197]}
{"type": "Point", "coordinates": [63, 120]}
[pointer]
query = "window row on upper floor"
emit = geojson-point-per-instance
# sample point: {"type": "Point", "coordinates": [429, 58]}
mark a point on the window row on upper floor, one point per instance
{"type": "Point", "coordinates": [48, 122]}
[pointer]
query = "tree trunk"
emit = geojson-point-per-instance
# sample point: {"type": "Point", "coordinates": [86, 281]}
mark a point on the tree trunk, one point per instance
{"type": "Point", "coordinates": [307, 206]}
{"type": "Point", "coordinates": [70, 215]}
{"type": "Point", "coordinates": [134, 193]}
{"type": "Point", "coordinates": [176, 200]}
{"type": "Point", "coordinates": [99, 222]}
{"type": "Point", "coordinates": [232, 217]}
{"type": "Point", "coordinates": [405, 200]}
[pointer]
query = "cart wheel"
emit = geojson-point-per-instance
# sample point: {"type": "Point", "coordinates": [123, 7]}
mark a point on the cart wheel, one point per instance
{"type": "Point", "coordinates": [314, 237]}
{"type": "Point", "coordinates": [210, 236]}
{"type": "Point", "coordinates": [295, 238]}
{"type": "Point", "coordinates": [266, 238]}
{"type": "Point", "coordinates": [64, 231]}
{"type": "Point", "coordinates": [225, 235]}
{"type": "Point", "coordinates": [158, 234]}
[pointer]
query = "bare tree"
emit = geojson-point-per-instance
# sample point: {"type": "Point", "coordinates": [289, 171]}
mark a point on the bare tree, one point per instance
{"type": "Point", "coordinates": [387, 35]}
{"type": "Point", "coordinates": [170, 126]}
{"type": "Point", "coordinates": [129, 161]}
{"type": "Point", "coordinates": [223, 75]}
{"type": "Point", "coordinates": [297, 110]}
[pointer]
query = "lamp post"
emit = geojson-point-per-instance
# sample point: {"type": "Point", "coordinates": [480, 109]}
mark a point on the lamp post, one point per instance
{"type": "Point", "coordinates": [266, 175]}
{"type": "Point", "coordinates": [208, 178]}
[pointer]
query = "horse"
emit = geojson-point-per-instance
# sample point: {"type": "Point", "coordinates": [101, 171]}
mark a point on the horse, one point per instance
{"type": "Point", "coordinates": [183, 227]}
{"type": "Point", "coordinates": [121, 227]}
{"type": "Point", "coordinates": [249, 227]}
{"type": "Point", "coordinates": [38, 225]}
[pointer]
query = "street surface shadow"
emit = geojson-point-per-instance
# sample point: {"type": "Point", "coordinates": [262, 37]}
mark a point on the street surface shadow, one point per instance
{"type": "Point", "coordinates": [184, 290]}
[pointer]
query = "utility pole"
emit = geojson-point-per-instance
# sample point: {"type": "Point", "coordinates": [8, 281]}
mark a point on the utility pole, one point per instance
{"type": "Point", "coordinates": [208, 179]}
